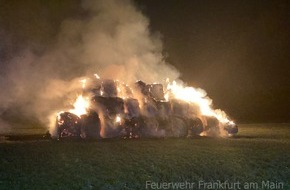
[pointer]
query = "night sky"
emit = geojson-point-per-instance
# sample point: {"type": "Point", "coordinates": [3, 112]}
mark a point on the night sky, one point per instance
{"type": "Point", "coordinates": [238, 51]}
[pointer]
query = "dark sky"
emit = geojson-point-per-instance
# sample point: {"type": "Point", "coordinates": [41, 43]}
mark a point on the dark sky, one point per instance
{"type": "Point", "coordinates": [238, 51]}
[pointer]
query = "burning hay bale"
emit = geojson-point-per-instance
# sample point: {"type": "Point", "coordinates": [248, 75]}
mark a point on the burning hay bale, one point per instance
{"type": "Point", "coordinates": [195, 126]}
{"type": "Point", "coordinates": [90, 125]}
{"type": "Point", "coordinates": [156, 91]}
{"type": "Point", "coordinates": [68, 125]}
{"type": "Point", "coordinates": [111, 109]}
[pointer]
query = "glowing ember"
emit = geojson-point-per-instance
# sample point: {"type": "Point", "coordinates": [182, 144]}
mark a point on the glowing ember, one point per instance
{"type": "Point", "coordinates": [80, 106]}
{"type": "Point", "coordinates": [118, 119]}
{"type": "Point", "coordinates": [97, 76]}
{"type": "Point", "coordinates": [83, 83]}
{"type": "Point", "coordinates": [202, 134]}
{"type": "Point", "coordinates": [59, 120]}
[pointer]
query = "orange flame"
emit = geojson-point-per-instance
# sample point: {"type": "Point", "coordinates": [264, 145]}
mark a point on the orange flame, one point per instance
{"type": "Point", "coordinates": [83, 81]}
{"type": "Point", "coordinates": [80, 106]}
{"type": "Point", "coordinates": [197, 96]}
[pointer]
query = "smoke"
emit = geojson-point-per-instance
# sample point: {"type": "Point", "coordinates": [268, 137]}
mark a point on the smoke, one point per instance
{"type": "Point", "coordinates": [111, 39]}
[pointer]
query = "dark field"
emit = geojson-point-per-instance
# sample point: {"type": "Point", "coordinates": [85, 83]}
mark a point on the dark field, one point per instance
{"type": "Point", "coordinates": [259, 153]}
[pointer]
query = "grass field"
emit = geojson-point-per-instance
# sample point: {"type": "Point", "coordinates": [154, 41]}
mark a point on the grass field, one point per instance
{"type": "Point", "coordinates": [259, 153]}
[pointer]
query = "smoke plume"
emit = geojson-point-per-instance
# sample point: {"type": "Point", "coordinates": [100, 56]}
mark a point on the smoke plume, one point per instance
{"type": "Point", "coordinates": [111, 39]}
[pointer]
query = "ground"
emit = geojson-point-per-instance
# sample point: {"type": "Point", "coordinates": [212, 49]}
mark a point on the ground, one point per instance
{"type": "Point", "coordinates": [260, 152]}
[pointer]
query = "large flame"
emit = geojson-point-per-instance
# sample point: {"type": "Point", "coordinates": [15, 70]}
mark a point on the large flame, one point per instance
{"type": "Point", "coordinates": [191, 95]}
{"type": "Point", "coordinates": [198, 97]}
{"type": "Point", "coordinates": [80, 106]}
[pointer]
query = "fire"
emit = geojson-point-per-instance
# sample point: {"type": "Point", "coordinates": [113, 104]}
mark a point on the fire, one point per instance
{"type": "Point", "coordinates": [80, 106]}
{"type": "Point", "coordinates": [83, 83]}
{"type": "Point", "coordinates": [196, 96]}
{"type": "Point", "coordinates": [199, 116]}
{"type": "Point", "coordinates": [202, 134]}
{"type": "Point", "coordinates": [191, 95]}
{"type": "Point", "coordinates": [97, 76]}
{"type": "Point", "coordinates": [60, 122]}
{"type": "Point", "coordinates": [118, 119]}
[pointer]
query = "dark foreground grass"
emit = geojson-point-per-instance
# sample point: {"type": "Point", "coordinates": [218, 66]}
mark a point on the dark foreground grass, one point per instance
{"type": "Point", "coordinates": [259, 153]}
